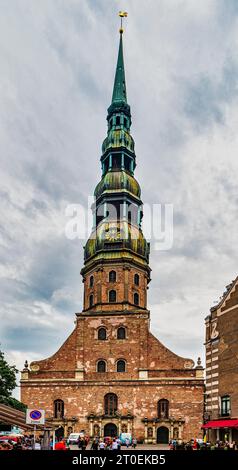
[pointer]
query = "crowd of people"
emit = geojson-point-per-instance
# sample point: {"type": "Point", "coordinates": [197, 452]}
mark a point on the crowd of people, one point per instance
{"type": "Point", "coordinates": [112, 443]}
{"type": "Point", "coordinates": [28, 443]}
{"type": "Point", "coordinates": [195, 444]}
{"type": "Point", "coordinates": [19, 443]}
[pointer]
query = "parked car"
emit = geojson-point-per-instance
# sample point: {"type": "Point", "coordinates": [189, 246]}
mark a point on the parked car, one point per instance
{"type": "Point", "coordinates": [74, 437]}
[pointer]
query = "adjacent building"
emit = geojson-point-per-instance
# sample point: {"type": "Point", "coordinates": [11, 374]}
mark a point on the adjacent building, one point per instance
{"type": "Point", "coordinates": [221, 417]}
{"type": "Point", "coordinates": [112, 374]}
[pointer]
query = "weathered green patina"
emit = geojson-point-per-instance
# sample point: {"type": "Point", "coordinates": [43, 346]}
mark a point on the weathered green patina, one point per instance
{"type": "Point", "coordinates": [119, 236]}
{"type": "Point", "coordinates": [119, 89]}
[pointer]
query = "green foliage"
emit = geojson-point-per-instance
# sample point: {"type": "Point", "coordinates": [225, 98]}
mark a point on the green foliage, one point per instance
{"type": "Point", "coordinates": [7, 377]}
{"type": "Point", "coordinates": [8, 382]}
{"type": "Point", "coordinates": [13, 402]}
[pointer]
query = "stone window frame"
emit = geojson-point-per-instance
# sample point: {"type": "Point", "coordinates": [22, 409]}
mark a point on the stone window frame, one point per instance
{"type": "Point", "coordinates": [125, 363]}
{"type": "Point", "coordinates": [102, 327]}
{"type": "Point", "coordinates": [112, 274]}
{"type": "Point", "coordinates": [97, 364]}
{"type": "Point", "coordinates": [91, 300]}
{"type": "Point", "coordinates": [125, 329]}
{"type": "Point", "coordinates": [136, 296]}
{"type": "Point", "coordinates": [58, 413]}
{"type": "Point", "coordinates": [137, 279]}
{"type": "Point", "coordinates": [161, 413]}
{"type": "Point", "coordinates": [91, 281]}
{"type": "Point", "coordinates": [225, 405]}
{"type": "Point", "coordinates": [112, 301]}
{"type": "Point", "coordinates": [107, 398]}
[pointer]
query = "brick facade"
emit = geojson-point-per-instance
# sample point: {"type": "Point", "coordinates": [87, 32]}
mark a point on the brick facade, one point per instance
{"type": "Point", "coordinates": [152, 373]}
{"type": "Point", "coordinates": [221, 361]}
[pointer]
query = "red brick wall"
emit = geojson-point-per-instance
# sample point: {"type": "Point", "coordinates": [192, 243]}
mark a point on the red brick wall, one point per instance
{"type": "Point", "coordinates": [140, 399]}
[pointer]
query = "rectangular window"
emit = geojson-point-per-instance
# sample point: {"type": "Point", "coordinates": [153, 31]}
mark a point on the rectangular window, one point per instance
{"type": "Point", "coordinates": [225, 406]}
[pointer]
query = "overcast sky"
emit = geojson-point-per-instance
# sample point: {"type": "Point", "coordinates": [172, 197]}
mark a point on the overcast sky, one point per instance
{"type": "Point", "coordinates": [57, 65]}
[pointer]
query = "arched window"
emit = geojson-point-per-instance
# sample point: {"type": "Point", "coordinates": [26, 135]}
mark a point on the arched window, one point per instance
{"type": "Point", "coordinates": [112, 296]}
{"type": "Point", "coordinates": [163, 408]}
{"type": "Point", "coordinates": [137, 279]}
{"type": "Point", "coordinates": [112, 276]}
{"type": "Point", "coordinates": [121, 365]}
{"type": "Point", "coordinates": [101, 366]}
{"type": "Point", "coordinates": [121, 333]}
{"type": "Point", "coordinates": [136, 298]}
{"type": "Point", "coordinates": [118, 121]}
{"type": "Point", "coordinates": [58, 409]}
{"type": "Point", "coordinates": [102, 333]}
{"type": "Point", "coordinates": [110, 404]}
{"type": "Point", "coordinates": [91, 300]}
{"type": "Point", "coordinates": [91, 281]}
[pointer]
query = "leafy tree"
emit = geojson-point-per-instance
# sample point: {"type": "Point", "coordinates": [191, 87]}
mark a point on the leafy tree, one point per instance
{"type": "Point", "coordinates": [8, 382]}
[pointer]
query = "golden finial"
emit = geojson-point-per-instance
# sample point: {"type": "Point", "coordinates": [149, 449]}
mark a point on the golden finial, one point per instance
{"type": "Point", "coordinates": [122, 14]}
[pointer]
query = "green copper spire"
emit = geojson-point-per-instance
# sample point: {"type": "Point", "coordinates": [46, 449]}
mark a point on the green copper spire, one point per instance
{"type": "Point", "coordinates": [119, 89]}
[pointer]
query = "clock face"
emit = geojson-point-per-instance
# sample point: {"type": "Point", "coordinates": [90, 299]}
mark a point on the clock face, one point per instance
{"type": "Point", "coordinates": [111, 233]}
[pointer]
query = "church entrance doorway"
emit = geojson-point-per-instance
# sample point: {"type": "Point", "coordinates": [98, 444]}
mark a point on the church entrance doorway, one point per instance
{"type": "Point", "coordinates": [110, 430]}
{"type": "Point", "coordinates": [162, 435]}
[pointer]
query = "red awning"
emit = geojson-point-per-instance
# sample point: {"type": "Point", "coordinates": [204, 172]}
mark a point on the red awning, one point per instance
{"type": "Point", "coordinates": [225, 423]}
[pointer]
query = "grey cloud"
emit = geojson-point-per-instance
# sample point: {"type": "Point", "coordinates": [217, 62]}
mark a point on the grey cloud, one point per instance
{"type": "Point", "coordinates": [57, 67]}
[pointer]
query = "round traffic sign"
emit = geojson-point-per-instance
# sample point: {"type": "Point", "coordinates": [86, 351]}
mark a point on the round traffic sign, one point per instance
{"type": "Point", "coordinates": [35, 415]}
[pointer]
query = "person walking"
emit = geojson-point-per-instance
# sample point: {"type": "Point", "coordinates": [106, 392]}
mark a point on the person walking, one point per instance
{"type": "Point", "coordinates": [134, 442]}
{"type": "Point", "coordinates": [60, 445]}
{"type": "Point", "coordinates": [94, 445]}
{"type": "Point", "coordinates": [114, 445]}
{"type": "Point", "coordinates": [118, 444]}
{"type": "Point", "coordinates": [101, 445]}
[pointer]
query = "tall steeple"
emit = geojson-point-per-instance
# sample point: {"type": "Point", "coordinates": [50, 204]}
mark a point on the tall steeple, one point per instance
{"type": "Point", "coordinates": [117, 243]}
{"type": "Point", "coordinates": [119, 89]}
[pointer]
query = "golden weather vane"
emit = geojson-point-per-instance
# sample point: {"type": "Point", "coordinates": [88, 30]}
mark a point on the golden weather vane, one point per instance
{"type": "Point", "coordinates": [122, 14]}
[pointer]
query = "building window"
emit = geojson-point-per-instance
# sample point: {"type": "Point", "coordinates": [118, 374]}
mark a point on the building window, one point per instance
{"type": "Point", "coordinates": [58, 409]}
{"type": "Point", "coordinates": [136, 298]}
{"type": "Point", "coordinates": [225, 405]}
{"type": "Point", "coordinates": [110, 404]}
{"type": "Point", "coordinates": [91, 281]}
{"type": "Point", "coordinates": [121, 333]}
{"type": "Point", "coordinates": [163, 408]}
{"type": "Point", "coordinates": [91, 300]}
{"type": "Point", "coordinates": [137, 279]}
{"type": "Point", "coordinates": [121, 365]}
{"type": "Point", "coordinates": [112, 296]}
{"type": "Point", "coordinates": [118, 121]}
{"type": "Point", "coordinates": [112, 276]}
{"type": "Point", "coordinates": [101, 366]}
{"type": "Point", "coordinates": [102, 333]}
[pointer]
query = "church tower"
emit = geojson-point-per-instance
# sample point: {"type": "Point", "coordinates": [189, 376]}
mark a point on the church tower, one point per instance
{"type": "Point", "coordinates": [116, 271]}
{"type": "Point", "coordinates": [112, 375]}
